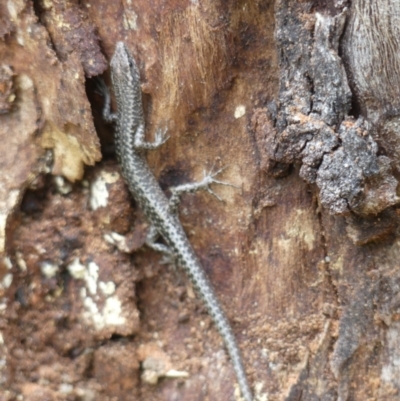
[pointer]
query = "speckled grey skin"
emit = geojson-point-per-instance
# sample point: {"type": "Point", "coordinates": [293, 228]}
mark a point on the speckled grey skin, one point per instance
{"type": "Point", "coordinates": [160, 212]}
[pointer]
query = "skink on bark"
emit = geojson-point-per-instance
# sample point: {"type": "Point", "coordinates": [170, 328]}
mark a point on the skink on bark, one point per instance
{"type": "Point", "coordinates": [160, 211]}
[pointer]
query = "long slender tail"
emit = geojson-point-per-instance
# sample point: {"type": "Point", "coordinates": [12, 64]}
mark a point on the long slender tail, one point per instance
{"type": "Point", "coordinates": [204, 288]}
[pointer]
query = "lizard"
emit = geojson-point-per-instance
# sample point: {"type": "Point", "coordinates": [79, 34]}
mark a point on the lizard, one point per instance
{"type": "Point", "coordinates": [160, 211]}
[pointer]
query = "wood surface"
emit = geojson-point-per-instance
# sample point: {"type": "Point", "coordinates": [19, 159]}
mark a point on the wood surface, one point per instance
{"type": "Point", "coordinates": [85, 312]}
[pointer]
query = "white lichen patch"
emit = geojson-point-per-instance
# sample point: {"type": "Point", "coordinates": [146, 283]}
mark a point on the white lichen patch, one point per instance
{"type": "Point", "coordinates": [240, 111]}
{"type": "Point", "coordinates": [98, 312]}
{"type": "Point", "coordinates": [260, 393]}
{"type": "Point", "coordinates": [107, 288]}
{"type": "Point", "coordinates": [112, 312]}
{"type": "Point", "coordinates": [176, 374]}
{"type": "Point", "coordinates": [66, 388]}
{"type": "Point", "coordinates": [89, 274]}
{"type": "Point", "coordinates": [48, 269]}
{"type": "Point", "coordinates": [117, 240]}
{"type": "Point", "coordinates": [76, 269]}
{"type": "Point", "coordinates": [6, 281]}
{"type": "Point", "coordinates": [7, 262]}
{"type": "Point", "coordinates": [91, 277]}
{"type": "Point", "coordinates": [20, 261]}
{"type": "Point", "coordinates": [99, 191]}
{"type": "Point", "coordinates": [110, 315]}
{"type": "Point", "coordinates": [63, 186]}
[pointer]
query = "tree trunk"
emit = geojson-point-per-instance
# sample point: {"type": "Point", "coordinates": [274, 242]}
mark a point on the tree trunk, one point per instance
{"type": "Point", "coordinates": [298, 100]}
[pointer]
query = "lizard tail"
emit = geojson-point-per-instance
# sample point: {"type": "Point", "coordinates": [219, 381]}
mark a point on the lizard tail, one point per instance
{"type": "Point", "coordinates": [205, 290]}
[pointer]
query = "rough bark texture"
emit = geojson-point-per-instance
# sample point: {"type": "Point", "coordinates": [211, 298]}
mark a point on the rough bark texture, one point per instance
{"type": "Point", "coordinates": [312, 124]}
{"type": "Point", "coordinates": [303, 254]}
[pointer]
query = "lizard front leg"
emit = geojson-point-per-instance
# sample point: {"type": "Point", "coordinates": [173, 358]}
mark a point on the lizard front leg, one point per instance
{"type": "Point", "coordinates": [103, 90]}
{"type": "Point", "coordinates": [141, 144]}
{"type": "Point", "coordinates": [204, 184]}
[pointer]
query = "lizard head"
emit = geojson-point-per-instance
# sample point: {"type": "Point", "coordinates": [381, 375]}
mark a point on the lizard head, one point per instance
{"type": "Point", "coordinates": [122, 63]}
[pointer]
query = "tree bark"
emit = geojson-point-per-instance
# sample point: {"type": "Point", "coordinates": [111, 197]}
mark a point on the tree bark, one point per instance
{"type": "Point", "coordinates": [299, 101]}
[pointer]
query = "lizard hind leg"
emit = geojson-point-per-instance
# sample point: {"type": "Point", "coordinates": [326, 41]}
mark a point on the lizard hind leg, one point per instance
{"type": "Point", "coordinates": [151, 238]}
{"type": "Point", "coordinates": [204, 184]}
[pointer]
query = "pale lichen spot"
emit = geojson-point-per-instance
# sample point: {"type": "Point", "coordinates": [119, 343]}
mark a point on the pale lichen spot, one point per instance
{"type": "Point", "coordinates": [6, 281]}
{"type": "Point", "coordinates": [117, 240]}
{"type": "Point", "coordinates": [7, 262]}
{"type": "Point", "coordinates": [63, 186]}
{"type": "Point", "coordinates": [25, 82]}
{"type": "Point", "coordinates": [49, 269]}
{"type": "Point", "coordinates": [99, 191]}
{"type": "Point", "coordinates": [83, 292]}
{"type": "Point", "coordinates": [20, 261]}
{"type": "Point", "coordinates": [110, 314]}
{"type": "Point", "coordinates": [107, 288]}
{"type": "Point", "coordinates": [260, 393]}
{"type": "Point", "coordinates": [92, 277]}
{"type": "Point", "coordinates": [240, 111]}
{"type": "Point", "coordinates": [76, 269]}
{"type": "Point", "coordinates": [66, 388]}
{"type": "Point", "coordinates": [89, 274]}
